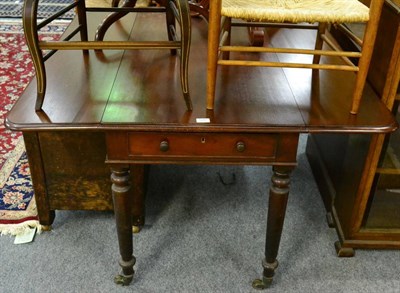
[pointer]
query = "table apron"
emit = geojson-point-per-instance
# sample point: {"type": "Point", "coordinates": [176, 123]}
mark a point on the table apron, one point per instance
{"type": "Point", "coordinates": [201, 148]}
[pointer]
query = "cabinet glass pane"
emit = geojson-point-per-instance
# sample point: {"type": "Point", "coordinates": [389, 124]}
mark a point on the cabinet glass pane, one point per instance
{"type": "Point", "coordinates": [384, 209]}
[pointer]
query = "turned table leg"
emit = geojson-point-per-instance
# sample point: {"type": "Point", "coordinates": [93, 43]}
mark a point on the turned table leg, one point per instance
{"type": "Point", "coordinates": [123, 216]}
{"type": "Point", "coordinates": [278, 196]}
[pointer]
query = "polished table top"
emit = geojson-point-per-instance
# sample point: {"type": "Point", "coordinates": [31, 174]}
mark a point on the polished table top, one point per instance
{"type": "Point", "coordinates": [140, 90]}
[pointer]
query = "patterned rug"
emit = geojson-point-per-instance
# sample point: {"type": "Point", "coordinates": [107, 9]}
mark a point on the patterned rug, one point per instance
{"type": "Point", "coordinates": [46, 8]}
{"type": "Point", "coordinates": [17, 204]}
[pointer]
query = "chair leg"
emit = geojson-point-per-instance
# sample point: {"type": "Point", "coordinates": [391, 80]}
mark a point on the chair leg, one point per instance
{"type": "Point", "coordinates": [113, 17]}
{"type": "Point", "coordinates": [185, 23]}
{"type": "Point", "coordinates": [81, 11]}
{"type": "Point", "coordinates": [29, 19]}
{"type": "Point", "coordinates": [361, 77]}
{"type": "Point", "coordinates": [256, 36]}
{"type": "Point", "coordinates": [171, 24]}
{"type": "Point", "coordinates": [367, 49]}
{"type": "Point", "coordinates": [214, 29]}
{"type": "Point", "coordinates": [226, 33]}
{"type": "Point", "coordinates": [319, 42]}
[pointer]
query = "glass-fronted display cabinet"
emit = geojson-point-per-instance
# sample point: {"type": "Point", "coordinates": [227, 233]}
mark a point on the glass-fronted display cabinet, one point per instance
{"type": "Point", "coordinates": [359, 175]}
{"type": "Point", "coordinates": [384, 204]}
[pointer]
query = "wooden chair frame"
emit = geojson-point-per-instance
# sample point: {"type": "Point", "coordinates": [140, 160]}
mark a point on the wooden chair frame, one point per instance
{"type": "Point", "coordinates": [175, 10]}
{"type": "Point", "coordinates": [219, 36]}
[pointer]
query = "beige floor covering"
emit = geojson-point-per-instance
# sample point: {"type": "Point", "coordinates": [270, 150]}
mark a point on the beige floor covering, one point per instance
{"type": "Point", "coordinates": [98, 3]}
{"type": "Point", "coordinates": [107, 3]}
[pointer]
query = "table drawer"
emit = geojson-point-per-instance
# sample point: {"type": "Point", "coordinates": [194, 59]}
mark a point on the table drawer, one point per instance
{"type": "Point", "coordinates": [200, 145]}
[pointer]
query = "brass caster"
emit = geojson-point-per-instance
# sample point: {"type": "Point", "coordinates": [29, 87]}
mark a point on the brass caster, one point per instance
{"type": "Point", "coordinates": [259, 284]}
{"type": "Point", "coordinates": [46, 227]}
{"type": "Point", "coordinates": [123, 280]}
{"type": "Point", "coordinates": [343, 251]}
{"type": "Point", "coordinates": [135, 229]}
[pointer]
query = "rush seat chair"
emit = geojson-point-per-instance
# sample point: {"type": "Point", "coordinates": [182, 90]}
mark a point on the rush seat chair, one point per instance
{"type": "Point", "coordinates": [178, 40]}
{"type": "Point", "coordinates": [300, 14]}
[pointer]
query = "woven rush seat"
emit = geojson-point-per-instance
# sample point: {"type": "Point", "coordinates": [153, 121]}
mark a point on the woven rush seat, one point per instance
{"type": "Point", "coordinates": [295, 11]}
{"type": "Point", "coordinates": [317, 15]}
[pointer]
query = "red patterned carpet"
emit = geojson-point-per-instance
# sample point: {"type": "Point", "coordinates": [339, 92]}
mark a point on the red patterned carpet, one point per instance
{"type": "Point", "coordinates": [13, 8]}
{"type": "Point", "coordinates": [17, 204]}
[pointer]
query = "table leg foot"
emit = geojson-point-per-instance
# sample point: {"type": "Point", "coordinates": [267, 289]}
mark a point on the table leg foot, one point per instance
{"type": "Point", "coordinates": [123, 280]}
{"type": "Point", "coordinates": [126, 277]}
{"type": "Point", "coordinates": [261, 284]}
{"type": "Point", "coordinates": [266, 280]}
{"type": "Point", "coordinates": [343, 251]}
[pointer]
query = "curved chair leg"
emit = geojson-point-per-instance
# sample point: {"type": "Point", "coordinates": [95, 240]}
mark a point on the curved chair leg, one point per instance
{"type": "Point", "coordinates": [113, 17]}
{"type": "Point", "coordinates": [29, 19]}
{"type": "Point", "coordinates": [184, 14]}
{"type": "Point", "coordinates": [199, 8]}
{"type": "Point", "coordinates": [171, 24]}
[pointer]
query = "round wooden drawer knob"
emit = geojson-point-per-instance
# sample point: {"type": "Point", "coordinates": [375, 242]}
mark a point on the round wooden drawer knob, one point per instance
{"type": "Point", "coordinates": [164, 146]}
{"type": "Point", "coordinates": [240, 146]}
